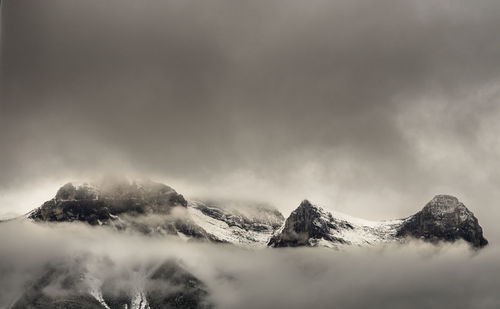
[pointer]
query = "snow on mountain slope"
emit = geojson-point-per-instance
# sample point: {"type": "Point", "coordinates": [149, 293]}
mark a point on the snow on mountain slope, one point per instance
{"type": "Point", "coordinates": [250, 228]}
{"type": "Point", "coordinates": [310, 225]}
{"type": "Point", "coordinates": [360, 235]}
{"type": "Point", "coordinates": [444, 218]}
{"type": "Point", "coordinates": [156, 209]}
{"type": "Point", "coordinates": [146, 207]}
{"type": "Point", "coordinates": [94, 286]}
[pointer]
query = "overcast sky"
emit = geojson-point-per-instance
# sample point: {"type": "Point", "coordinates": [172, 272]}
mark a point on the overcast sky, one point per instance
{"type": "Point", "coordinates": [367, 107]}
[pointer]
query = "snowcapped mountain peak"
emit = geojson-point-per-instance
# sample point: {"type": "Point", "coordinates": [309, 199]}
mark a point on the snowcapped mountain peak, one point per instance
{"type": "Point", "coordinates": [311, 225]}
{"type": "Point", "coordinates": [149, 208]}
{"type": "Point", "coordinates": [154, 208]}
{"type": "Point", "coordinates": [444, 218]}
{"type": "Point", "coordinates": [306, 207]}
{"type": "Point", "coordinates": [92, 202]}
{"type": "Point", "coordinates": [306, 204]}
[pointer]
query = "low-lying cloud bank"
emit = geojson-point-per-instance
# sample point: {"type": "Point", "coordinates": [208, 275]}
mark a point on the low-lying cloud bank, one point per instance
{"type": "Point", "coordinates": [415, 275]}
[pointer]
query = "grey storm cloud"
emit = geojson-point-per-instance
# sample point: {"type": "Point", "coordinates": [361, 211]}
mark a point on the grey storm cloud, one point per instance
{"type": "Point", "coordinates": [371, 107]}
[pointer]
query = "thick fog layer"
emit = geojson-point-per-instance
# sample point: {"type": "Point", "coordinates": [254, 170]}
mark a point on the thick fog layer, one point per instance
{"type": "Point", "coordinates": [370, 108]}
{"type": "Point", "coordinates": [415, 275]}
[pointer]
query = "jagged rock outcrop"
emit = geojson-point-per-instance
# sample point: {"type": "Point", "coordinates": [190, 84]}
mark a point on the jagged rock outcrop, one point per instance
{"type": "Point", "coordinates": [444, 218]}
{"type": "Point", "coordinates": [144, 206]}
{"type": "Point", "coordinates": [95, 204]}
{"type": "Point", "coordinates": [155, 209]}
{"type": "Point", "coordinates": [306, 225]}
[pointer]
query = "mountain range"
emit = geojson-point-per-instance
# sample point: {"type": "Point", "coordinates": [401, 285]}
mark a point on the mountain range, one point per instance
{"type": "Point", "coordinates": [155, 209]}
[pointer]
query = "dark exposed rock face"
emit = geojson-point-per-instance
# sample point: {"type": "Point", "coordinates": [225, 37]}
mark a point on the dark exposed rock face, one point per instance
{"type": "Point", "coordinates": [67, 283]}
{"type": "Point", "coordinates": [90, 211]}
{"type": "Point", "coordinates": [185, 290]}
{"type": "Point", "coordinates": [444, 218]}
{"type": "Point", "coordinates": [145, 207]}
{"type": "Point", "coordinates": [304, 224]}
{"type": "Point", "coordinates": [99, 204]}
{"type": "Point", "coordinates": [65, 287]}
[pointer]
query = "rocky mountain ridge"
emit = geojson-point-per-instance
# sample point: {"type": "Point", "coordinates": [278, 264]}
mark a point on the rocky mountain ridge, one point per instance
{"type": "Point", "coordinates": [156, 209]}
{"type": "Point", "coordinates": [312, 226]}
{"type": "Point", "coordinates": [444, 218]}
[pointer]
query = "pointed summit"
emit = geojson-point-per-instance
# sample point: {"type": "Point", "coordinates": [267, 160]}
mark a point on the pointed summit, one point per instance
{"type": "Point", "coordinates": [444, 218]}
{"type": "Point", "coordinates": [305, 226]}
{"type": "Point", "coordinates": [306, 207]}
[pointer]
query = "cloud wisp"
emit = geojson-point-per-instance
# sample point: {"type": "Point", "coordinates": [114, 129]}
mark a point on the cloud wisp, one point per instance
{"type": "Point", "coordinates": [414, 275]}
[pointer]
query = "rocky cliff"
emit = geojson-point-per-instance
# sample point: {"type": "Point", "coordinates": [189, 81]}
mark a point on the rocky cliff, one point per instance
{"type": "Point", "coordinates": [154, 208]}
{"type": "Point", "coordinates": [444, 218]}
